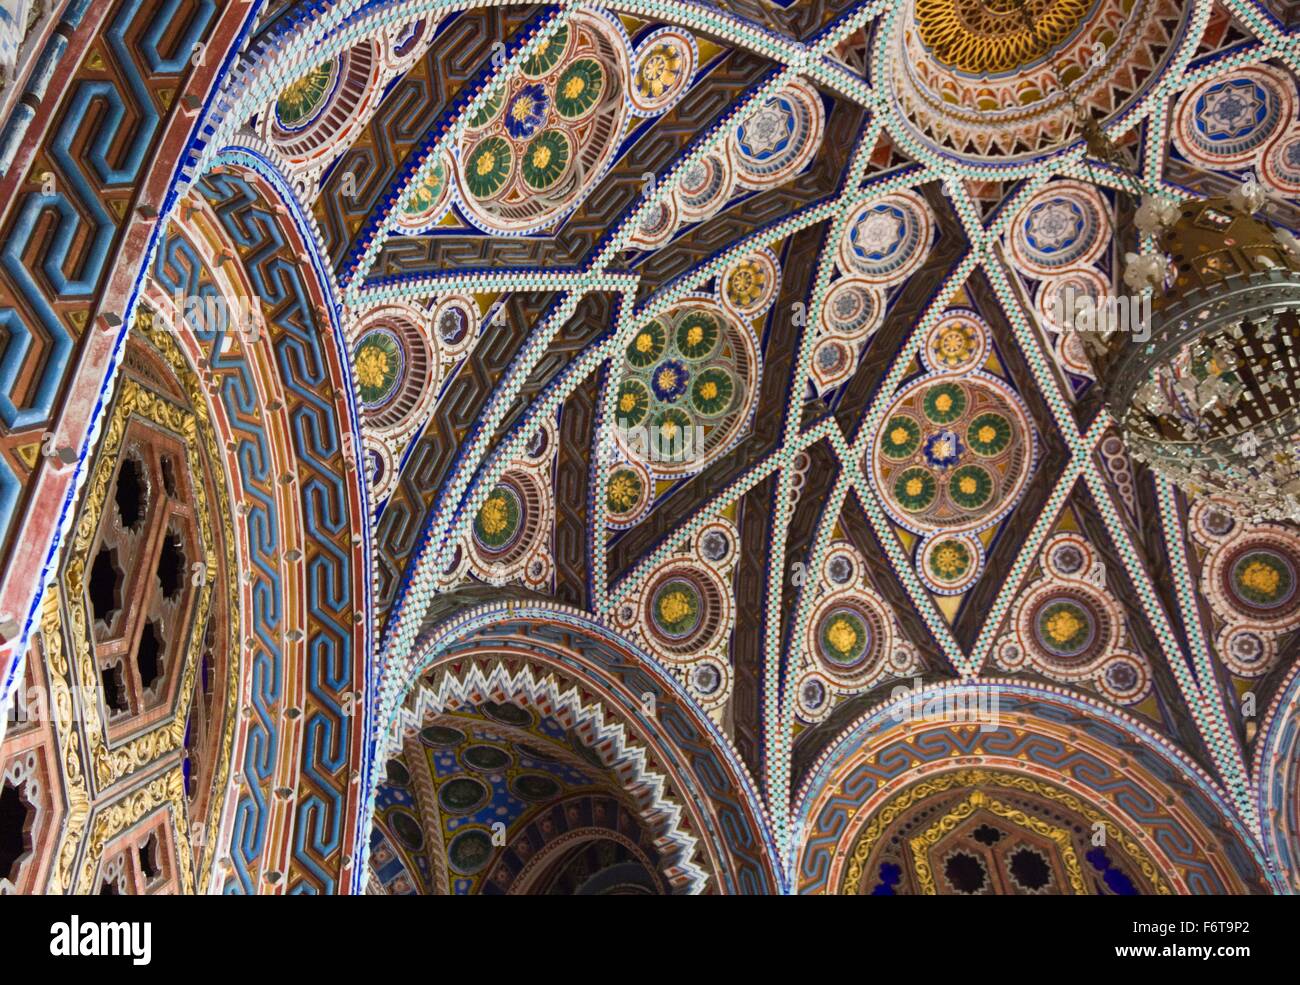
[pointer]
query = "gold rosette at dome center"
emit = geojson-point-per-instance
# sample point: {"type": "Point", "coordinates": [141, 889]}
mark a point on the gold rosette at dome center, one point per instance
{"type": "Point", "coordinates": [990, 37]}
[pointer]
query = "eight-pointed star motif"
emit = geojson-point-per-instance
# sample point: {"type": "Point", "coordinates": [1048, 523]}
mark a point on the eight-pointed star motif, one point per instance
{"type": "Point", "coordinates": [1231, 110]}
{"type": "Point", "coordinates": [878, 234]}
{"type": "Point", "coordinates": [765, 131]}
{"type": "Point", "coordinates": [1054, 225]}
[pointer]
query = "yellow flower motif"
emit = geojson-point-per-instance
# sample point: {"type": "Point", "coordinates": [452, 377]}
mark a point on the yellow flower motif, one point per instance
{"type": "Point", "coordinates": [914, 487]}
{"type": "Point", "coordinates": [1063, 626]}
{"type": "Point", "coordinates": [1261, 578]}
{"type": "Point", "coordinates": [522, 110]}
{"type": "Point", "coordinates": [694, 335]}
{"type": "Point", "coordinates": [622, 491]}
{"type": "Point", "coordinates": [573, 88]}
{"type": "Point", "coordinates": [745, 284]}
{"type": "Point", "coordinates": [492, 515]}
{"type": "Point", "coordinates": [541, 156]}
{"type": "Point", "coordinates": [667, 379]}
{"type": "Point", "coordinates": [644, 342]}
{"type": "Point", "coordinates": [942, 448]}
{"type": "Point", "coordinates": [668, 429]}
{"type": "Point", "coordinates": [943, 403]}
{"type": "Point", "coordinates": [953, 343]}
{"type": "Point", "coordinates": [674, 607]}
{"type": "Point", "coordinates": [841, 635]}
{"type": "Point", "coordinates": [967, 485]}
{"type": "Point", "coordinates": [372, 366]}
{"type": "Point", "coordinates": [899, 436]}
{"type": "Point", "coordinates": [486, 162]}
{"type": "Point", "coordinates": [627, 402]}
{"type": "Point", "coordinates": [660, 70]}
{"type": "Point", "coordinates": [708, 390]}
{"type": "Point", "coordinates": [986, 434]}
{"type": "Point", "coordinates": [948, 561]}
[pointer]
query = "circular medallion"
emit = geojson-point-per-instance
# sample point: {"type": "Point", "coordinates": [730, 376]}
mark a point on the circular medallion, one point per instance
{"type": "Point", "coordinates": [531, 156]}
{"type": "Point", "coordinates": [534, 787]}
{"type": "Point", "coordinates": [1068, 629]}
{"type": "Point", "coordinates": [1246, 651]}
{"type": "Point", "coordinates": [498, 521]}
{"type": "Point", "coordinates": [688, 388]}
{"type": "Point", "coordinates": [1262, 580]}
{"type": "Point", "coordinates": [886, 240]}
{"type": "Point", "coordinates": [953, 455]}
{"type": "Point", "coordinates": [626, 493]}
{"type": "Point", "coordinates": [546, 159]}
{"type": "Point", "coordinates": [957, 343]}
{"type": "Point", "coordinates": [779, 138]}
{"type": "Point", "coordinates": [951, 564]}
{"type": "Point", "coordinates": [488, 167]}
{"type": "Point", "coordinates": [705, 186]}
{"type": "Point", "coordinates": [676, 607]}
{"type": "Point", "coordinates": [395, 368]}
{"type": "Point", "coordinates": [812, 697]}
{"type": "Point", "coordinates": [1064, 225]}
{"type": "Point", "coordinates": [378, 360]}
{"type": "Point", "coordinates": [469, 851]}
{"type": "Point", "coordinates": [900, 438]}
{"type": "Point", "coordinates": [662, 71]}
{"type": "Point", "coordinates": [851, 634]}
{"type": "Point", "coordinates": [749, 286]}
{"type": "Point", "coordinates": [463, 795]}
{"type": "Point", "coordinates": [526, 111]}
{"type": "Point", "coordinates": [1227, 120]}
{"type": "Point", "coordinates": [853, 307]}
{"type": "Point", "coordinates": [658, 221]}
{"type": "Point", "coordinates": [427, 199]}
{"type": "Point", "coordinates": [1280, 165]}
{"type": "Point", "coordinates": [578, 88]}
{"type": "Point", "coordinates": [843, 637]}
{"type": "Point", "coordinates": [1124, 679]}
{"type": "Point", "coordinates": [454, 320]}
{"type": "Point", "coordinates": [683, 609]}
{"type": "Point", "coordinates": [488, 759]}
{"type": "Point", "coordinates": [1064, 628]}
{"type": "Point", "coordinates": [1062, 299]}
{"type": "Point", "coordinates": [706, 679]}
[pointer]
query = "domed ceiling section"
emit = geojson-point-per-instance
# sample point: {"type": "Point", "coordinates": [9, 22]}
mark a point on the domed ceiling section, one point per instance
{"type": "Point", "coordinates": [986, 81]}
{"type": "Point", "coordinates": [703, 368]}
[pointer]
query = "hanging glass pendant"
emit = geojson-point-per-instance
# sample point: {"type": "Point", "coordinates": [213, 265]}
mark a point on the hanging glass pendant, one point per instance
{"type": "Point", "coordinates": [1210, 398]}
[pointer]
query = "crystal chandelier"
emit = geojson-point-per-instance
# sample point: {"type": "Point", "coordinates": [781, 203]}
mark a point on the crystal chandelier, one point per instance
{"type": "Point", "coordinates": [1207, 394]}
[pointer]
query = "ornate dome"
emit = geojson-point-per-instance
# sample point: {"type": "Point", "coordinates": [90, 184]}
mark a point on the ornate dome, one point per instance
{"type": "Point", "coordinates": [972, 80]}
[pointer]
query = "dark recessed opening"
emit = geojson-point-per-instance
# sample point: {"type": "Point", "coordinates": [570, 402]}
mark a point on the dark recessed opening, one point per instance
{"type": "Point", "coordinates": [16, 816]}
{"type": "Point", "coordinates": [114, 690]}
{"type": "Point", "coordinates": [171, 567]}
{"type": "Point", "coordinates": [148, 656]}
{"type": "Point", "coordinates": [966, 873]}
{"type": "Point", "coordinates": [169, 476]}
{"type": "Point", "coordinates": [105, 586]}
{"type": "Point", "coordinates": [149, 859]}
{"type": "Point", "coordinates": [131, 494]}
{"type": "Point", "coordinates": [108, 889]}
{"type": "Point", "coordinates": [1030, 869]}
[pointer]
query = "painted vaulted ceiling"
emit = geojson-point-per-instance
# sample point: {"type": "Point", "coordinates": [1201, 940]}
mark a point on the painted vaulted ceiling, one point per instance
{"type": "Point", "coordinates": [483, 447]}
